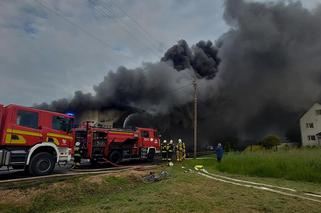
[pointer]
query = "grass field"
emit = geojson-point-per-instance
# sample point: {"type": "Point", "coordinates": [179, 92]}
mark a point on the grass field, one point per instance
{"type": "Point", "coordinates": [126, 192]}
{"type": "Point", "coordinates": [296, 164]}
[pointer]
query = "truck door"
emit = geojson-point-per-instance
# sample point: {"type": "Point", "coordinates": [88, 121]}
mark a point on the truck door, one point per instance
{"type": "Point", "coordinates": [24, 129]}
{"type": "Point", "coordinates": [146, 138]}
{"type": "Point", "coordinates": [1, 112]}
{"type": "Point", "coordinates": [2, 125]}
{"type": "Point", "coordinates": [154, 139]}
{"type": "Point", "coordinates": [59, 132]}
{"type": "Point", "coordinates": [149, 139]}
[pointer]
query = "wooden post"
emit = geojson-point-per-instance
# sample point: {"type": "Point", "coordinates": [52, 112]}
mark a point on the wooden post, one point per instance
{"type": "Point", "coordinates": [195, 118]}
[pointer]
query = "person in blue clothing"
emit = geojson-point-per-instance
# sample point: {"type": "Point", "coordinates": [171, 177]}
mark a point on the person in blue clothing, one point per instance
{"type": "Point", "coordinates": [219, 152]}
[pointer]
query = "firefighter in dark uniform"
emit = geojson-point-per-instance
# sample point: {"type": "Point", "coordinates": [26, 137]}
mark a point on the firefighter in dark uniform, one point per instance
{"type": "Point", "coordinates": [164, 150]}
{"type": "Point", "coordinates": [170, 150]}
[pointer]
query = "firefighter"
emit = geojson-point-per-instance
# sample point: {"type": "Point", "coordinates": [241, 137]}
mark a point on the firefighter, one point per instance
{"type": "Point", "coordinates": [77, 154]}
{"type": "Point", "coordinates": [170, 150]}
{"type": "Point", "coordinates": [180, 151]}
{"type": "Point", "coordinates": [183, 150]}
{"type": "Point", "coordinates": [164, 152]}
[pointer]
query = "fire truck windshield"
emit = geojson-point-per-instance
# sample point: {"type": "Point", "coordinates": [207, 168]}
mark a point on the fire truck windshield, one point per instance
{"type": "Point", "coordinates": [62, 123]}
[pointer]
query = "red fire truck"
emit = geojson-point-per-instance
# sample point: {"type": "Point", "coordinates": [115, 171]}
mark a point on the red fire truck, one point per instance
{"type": "Point", "coordinates": [33, 139]}
{"type": "Point", "coordinates": [115, 145]}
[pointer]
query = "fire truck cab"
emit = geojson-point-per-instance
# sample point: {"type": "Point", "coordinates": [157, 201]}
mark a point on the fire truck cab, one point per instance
{"type": "Point", "coordinates": [116, 145]}
{"type": "Point", "coordinates": [33, 139]}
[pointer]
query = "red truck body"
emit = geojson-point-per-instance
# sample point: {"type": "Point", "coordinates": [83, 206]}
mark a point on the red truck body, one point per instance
{"type": "Point", "coordinates": [25, 132]}
{"type": "Point", "coordinates": [99, 144]}
{"type": "Point", "coordinates": [35, 140]}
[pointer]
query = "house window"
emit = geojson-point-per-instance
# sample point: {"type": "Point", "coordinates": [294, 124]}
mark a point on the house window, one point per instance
{"type": "Point", "coordinates": [27, 119]}
{"type": "Point", "coordinates": [309, 125]}
{"type": "Point", "coordinates": [311, 137]}
{"type": "Point", "coordinates": [318, 111]}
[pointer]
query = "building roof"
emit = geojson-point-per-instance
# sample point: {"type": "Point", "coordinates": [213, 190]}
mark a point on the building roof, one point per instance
{"type": "Point", "coordinates": [309, 109]}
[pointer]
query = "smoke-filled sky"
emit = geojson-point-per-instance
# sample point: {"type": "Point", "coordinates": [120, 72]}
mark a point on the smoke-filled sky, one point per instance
{"type": "Point", "coordinates": [44, 57]}
{"type": "Point", "coordinates": [258, 63]}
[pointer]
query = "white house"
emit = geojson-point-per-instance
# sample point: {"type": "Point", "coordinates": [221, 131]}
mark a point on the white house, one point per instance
{"type": "Point", "coordinates": [310, 125]}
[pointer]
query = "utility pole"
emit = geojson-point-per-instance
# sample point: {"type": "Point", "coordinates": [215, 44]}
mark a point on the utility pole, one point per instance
{"type": "Point", "coordinates": [195, 117]}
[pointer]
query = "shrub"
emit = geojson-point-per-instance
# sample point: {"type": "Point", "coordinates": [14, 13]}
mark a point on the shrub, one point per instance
{"type": "Point", "coordinates": [271, 141]}
{"type": "Point", "coordinates": [254, 148]}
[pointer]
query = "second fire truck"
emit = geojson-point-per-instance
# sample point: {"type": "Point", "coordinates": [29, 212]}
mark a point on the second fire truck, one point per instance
{"type": "Point", "coordinates": [99, 144]}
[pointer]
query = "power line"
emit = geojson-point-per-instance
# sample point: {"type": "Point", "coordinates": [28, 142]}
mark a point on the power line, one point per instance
{"type": "Point", "coordinates": [126, 26]}
{"type": "Point", "coordinates": [105, 10]}
{"type": "Point", "coordinates": [149, 35]}
{"type": "Point", "coordinates": [88, 33]}
{"type": "Point", "coordinates": [195, 117]}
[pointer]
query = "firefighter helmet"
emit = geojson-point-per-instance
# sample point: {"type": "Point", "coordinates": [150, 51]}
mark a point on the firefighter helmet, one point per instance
{"type": "Point", "coordinates": [179, 140]}
{"type": "Point", "coordinates": [171, 142]}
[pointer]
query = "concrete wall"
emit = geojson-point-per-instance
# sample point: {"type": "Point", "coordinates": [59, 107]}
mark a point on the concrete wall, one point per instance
{"type": "Point", "coordinates": [308, 132]}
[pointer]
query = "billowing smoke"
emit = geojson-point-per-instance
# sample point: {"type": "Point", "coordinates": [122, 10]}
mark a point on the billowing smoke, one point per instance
{"type": "Point", "coordinates": [155, 88]}
{"type": "Point", "coordinates": [148, 88]}
{"type": "Point", "coordinates": [256, 79]}
{"type": "Point", "coordinates": [271, 65]}
{"type": "Point", "coordinates": [202, 58]}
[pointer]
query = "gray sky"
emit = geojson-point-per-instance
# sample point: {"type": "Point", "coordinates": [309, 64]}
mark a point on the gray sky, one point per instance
{"type": "Point", "coordinates": [49, 54]}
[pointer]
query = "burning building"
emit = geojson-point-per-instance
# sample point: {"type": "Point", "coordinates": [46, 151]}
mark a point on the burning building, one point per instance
{"type": "Point", "coordinates": [109, 118]}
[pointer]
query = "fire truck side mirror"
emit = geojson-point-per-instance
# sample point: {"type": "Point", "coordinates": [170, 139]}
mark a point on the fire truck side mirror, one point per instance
{"type": "Point", "coordinates": [39, 127]}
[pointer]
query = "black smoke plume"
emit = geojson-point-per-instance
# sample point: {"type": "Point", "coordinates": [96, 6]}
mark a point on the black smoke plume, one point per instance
{"type": "Point", "coordinates": [153, 88]}
{"type": "Point", "coordinates": [271, 65]}
{"type": "Point", "coordinates": [256, 79]}
{"type": "Point", "coordinates": [202, 58]}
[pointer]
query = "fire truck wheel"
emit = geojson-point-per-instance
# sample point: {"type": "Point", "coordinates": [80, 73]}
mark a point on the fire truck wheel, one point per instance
{"type": "Point", "coordinates": [115, 156]}
{"type": "Point", "coordinates": [42, 163]}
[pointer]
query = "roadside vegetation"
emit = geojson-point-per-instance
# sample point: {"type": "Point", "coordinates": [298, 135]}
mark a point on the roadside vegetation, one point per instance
{"type": "Point", "coordinates": [183, 191]}
{"type": "Point", "coordinates": [293, 164]}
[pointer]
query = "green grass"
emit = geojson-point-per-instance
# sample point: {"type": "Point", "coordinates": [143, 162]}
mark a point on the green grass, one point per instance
{"type": "Point", "coordinates": [73, 192]}
{"type": "Point", "coordinates": [296, 164]}
{"type": "Point", "coordinates": [181, 192]}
